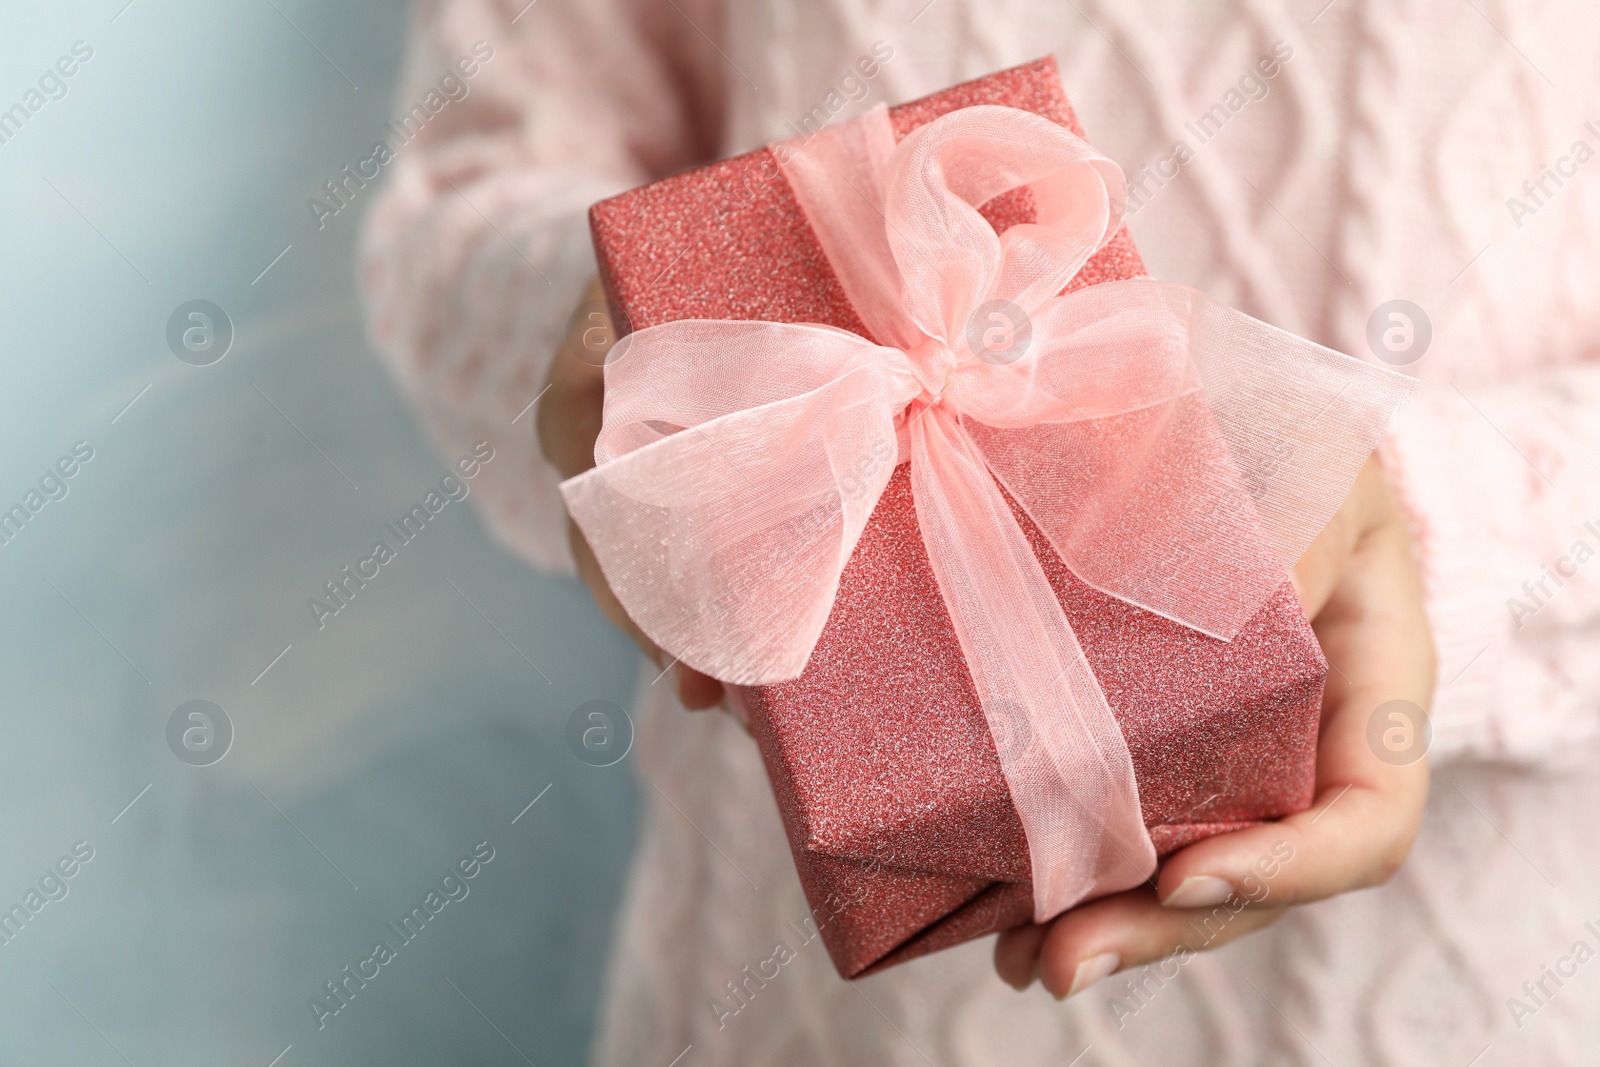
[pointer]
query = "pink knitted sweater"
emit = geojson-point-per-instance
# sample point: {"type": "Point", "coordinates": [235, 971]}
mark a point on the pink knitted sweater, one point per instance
{"type": "Point", "coordinates": [1433, 151]}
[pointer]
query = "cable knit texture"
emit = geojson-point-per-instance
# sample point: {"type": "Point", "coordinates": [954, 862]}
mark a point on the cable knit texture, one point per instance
{"type": "Point", "coordinates": [1375, 165]}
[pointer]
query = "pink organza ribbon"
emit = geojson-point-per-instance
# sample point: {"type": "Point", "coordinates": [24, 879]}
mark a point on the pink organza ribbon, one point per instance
{"type": "Point", "coordinates": [1177, 454]}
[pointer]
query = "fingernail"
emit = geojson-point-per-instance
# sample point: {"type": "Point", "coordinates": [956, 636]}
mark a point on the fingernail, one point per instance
{"type": "Point", "coordinates": [1199, 891]}
{"type": "Point", "coordinates": [1092, 970]}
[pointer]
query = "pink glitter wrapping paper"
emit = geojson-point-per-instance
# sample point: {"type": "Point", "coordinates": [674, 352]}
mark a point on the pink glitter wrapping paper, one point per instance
{"type": "Point", "coordinates": [888, 781]}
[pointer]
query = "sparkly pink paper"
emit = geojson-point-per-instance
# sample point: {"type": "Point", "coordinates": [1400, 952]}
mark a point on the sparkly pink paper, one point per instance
{"type": "Point", "coordinates": [881, 760]}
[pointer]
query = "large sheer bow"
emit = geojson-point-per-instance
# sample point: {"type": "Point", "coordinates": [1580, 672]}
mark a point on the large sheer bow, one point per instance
{"type": "Point", "coordinates": [1176, 453]}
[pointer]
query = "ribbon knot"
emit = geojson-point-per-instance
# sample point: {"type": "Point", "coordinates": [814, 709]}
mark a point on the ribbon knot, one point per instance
{"type": "Point", "coordinates": [933, 364]}
{"type": "Point", "coordinates": [739, 461]}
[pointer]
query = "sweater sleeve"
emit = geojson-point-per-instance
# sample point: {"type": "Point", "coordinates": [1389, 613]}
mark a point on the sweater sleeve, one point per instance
{"type": "Point", "coordinates": [478, 249]}
{"type": "Point", "coordinates": [1501, 484]}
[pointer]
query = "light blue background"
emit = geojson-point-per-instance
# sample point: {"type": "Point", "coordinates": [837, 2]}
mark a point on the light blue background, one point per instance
{"type": "Point", "coordinates": [392, 740]}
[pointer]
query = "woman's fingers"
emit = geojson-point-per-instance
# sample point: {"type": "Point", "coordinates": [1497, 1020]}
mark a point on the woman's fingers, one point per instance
{"type": "Point", "coordinates": [568, 419]}
{"type": "Point", "coordinates": [1016, 954]}
{"type": "Point", "coordinates": [593, 577]}
{"type": "Point", "coordinates": [1317, 573]}
{"type": "Point", "coordinates": [697, 691]}
{"type": "Point", "coordinates": [1118, 932]}
{"type": "Point", "coordinates": [572, 407]}
{"type": "Point", "coordinates": [570, 412]}
{"type": "Point", "coordinates": [1321, 567]}
{"type": "Point", "coordinates": [1372, 780]}
{"type": "Point", "coordinates": [1361, 587]}
{"type": "Point", "coordinates": [1353, 837]}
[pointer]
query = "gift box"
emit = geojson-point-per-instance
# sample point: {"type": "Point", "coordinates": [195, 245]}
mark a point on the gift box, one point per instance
{"type": "Point", "coordinates": [884, 766]}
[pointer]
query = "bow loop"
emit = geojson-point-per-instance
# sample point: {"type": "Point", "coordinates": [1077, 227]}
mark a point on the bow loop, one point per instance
{"type": "Point", "coordinates": [738, 464]}
{"type": "Point", "coordinates": [952, 263]}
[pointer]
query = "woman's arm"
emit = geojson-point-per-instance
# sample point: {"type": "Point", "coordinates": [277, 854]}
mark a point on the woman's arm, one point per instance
{"type": "Point", "coordinates": [1501, 489]}
{"type": "Point", "coordinates": [478, 249]}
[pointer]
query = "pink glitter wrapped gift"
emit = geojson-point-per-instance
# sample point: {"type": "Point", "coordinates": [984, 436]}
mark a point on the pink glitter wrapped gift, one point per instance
{"type": "Point", "coordinates": [882, 761]}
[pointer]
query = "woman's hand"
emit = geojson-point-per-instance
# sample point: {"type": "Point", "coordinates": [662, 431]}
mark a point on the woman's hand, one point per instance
{"type": "Point", "coordinates": [568, 420]}
{"type": "Point", "coordinates": [1359, 586]}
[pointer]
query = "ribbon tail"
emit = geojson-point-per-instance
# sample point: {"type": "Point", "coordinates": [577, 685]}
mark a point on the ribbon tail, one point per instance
{"type": "Point", "coordinates": [1062, 752]}
{"type": "Point", "coordinates": [837, 177]}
